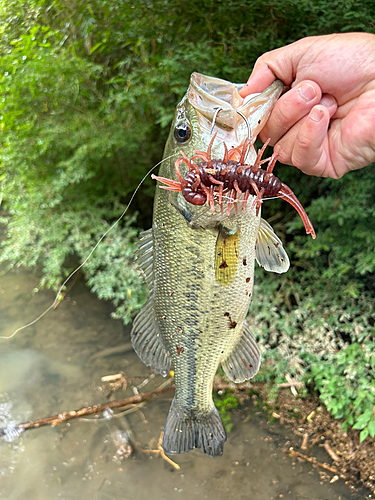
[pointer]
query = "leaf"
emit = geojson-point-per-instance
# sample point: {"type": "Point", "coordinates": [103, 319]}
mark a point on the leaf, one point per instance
{"type": "Point", "coordinates": [363, 420]}
{"type": "Point", "coordinates": [363, 435]}
{"type": "Point", "coordinates": [371, 427]}
{"type": "Point", "coordinates": [95, 47]}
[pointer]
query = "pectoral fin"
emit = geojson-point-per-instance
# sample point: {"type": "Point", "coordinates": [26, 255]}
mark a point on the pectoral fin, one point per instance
{"type": "Point", "coordinates": [147, 340]}
{"type": "Point", "coordinates": [269, 251]}
{"type": "Point", "coordinates": [244, 361]}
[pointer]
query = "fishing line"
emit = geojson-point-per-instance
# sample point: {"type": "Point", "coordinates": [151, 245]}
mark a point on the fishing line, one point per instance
{"type": "Point", "coordinates": [89, 255]}
{"type": "Point", "coordinates": [237, 200]}
{"type": "Point", "coordinates": [271, 198]}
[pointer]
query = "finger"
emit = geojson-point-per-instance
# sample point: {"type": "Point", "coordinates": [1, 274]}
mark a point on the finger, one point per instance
{"type": "Point", "coordinates": [289, 140]}
{"type": "Point", "coordinates": [330, 103]}
{"type": "Point", "coordinates": [310, 148]}
{"type": "Point", "coordinates": [289, 110]}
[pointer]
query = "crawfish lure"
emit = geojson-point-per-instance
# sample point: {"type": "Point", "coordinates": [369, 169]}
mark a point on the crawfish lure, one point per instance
{"type": "Point", "coordinates": [212, 178]}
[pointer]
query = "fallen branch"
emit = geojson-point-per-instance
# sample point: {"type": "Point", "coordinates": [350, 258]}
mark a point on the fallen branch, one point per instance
{"type": "Point", "coordinates": [314, 441]}
{"type": "Point", "coordinates": [314, 461]}
{"type": "Point", "coordinates": [286, 385]}
{"type": "Point", "coordinates": [330, 452]}
{"type": "Point", "coordinates": [292, 384]}
{"type": "Point", "coordinates": [305, 440]}
{"type": "Point", "coordinates": [90, 410]}
{"type": "Point", "coordinates": [160, 452]}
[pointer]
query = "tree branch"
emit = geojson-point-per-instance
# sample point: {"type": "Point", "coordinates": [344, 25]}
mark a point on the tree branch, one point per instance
{"type": "Point", "coordinates": [90, 410]}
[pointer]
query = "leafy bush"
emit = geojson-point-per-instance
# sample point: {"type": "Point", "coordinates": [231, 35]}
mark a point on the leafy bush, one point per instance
{"type": "Point", "coordinates": [346, 385]}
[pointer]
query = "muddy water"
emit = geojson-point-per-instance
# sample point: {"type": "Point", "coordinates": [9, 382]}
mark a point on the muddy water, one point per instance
{"type": "Point", "coordinates": [57, 365]}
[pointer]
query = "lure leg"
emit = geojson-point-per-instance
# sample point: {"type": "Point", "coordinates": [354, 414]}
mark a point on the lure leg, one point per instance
{"type": "Point", "coordinates": [205, 155]}
{"type": "Point", "coordinates": [257, 203]}
{"type": "Point", "coordinates": [225, 159]}
{"type": "Point", "coordinates": [232, 198]}
{"type": "Point", "coordinates": [207, 193]}
{"type": "Point", "coordinates": [245, 198]}
{"type": "Point", "coordinates": [238, 190]}
{"type": "Point", "coordinates": [177, 165]}
{"type": "Point", "coordinates": [258, 162]}
{"type": "Point", "coordinates": [272, 162]}
{"type": "Point", "coordinates": [221, 189]}
{"type": "Point", "coordinates": [211, 197]}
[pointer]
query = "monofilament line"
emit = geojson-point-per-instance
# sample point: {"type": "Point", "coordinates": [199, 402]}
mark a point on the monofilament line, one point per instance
{"type": "Point", "coordinates": [88, 257]}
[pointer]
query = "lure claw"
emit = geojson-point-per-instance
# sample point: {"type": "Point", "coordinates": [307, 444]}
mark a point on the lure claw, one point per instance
{"type": "Point", "coordinates": [287, 194]}
{"type": "Point", "coordinates": [170, 184]}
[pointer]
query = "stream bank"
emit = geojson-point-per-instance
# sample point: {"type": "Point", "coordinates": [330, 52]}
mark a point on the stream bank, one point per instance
{"type": "Point", "coordinates": [55, 365]}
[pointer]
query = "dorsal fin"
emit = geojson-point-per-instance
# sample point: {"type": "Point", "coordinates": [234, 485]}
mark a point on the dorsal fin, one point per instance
{"type": "Point", "coordinates": [144, 258]}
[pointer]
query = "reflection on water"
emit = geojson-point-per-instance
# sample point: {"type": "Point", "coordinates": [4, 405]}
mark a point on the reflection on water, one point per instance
{"type": "Point", "coordinates": [53, 366]}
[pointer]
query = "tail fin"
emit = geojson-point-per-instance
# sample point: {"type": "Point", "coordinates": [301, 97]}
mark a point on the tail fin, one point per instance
{"type": "Point", "coordinates": [187, 429]}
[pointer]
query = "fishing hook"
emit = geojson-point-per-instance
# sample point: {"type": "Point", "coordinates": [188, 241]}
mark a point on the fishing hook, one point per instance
{"type": "Point", "coordinates": [214, 119]}
{"type": "Point", "coordinates": [248, 130]}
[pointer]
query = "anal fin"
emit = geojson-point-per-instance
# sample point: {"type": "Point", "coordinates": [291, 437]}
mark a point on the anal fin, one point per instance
{"type": "Point", "coordinates": [148, 342]}
{"type": "Point", "coordinates": [244, 361]}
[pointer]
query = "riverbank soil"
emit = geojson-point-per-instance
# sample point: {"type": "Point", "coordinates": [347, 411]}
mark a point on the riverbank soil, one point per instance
{"type": "Point", "coordinates": [318, 437]}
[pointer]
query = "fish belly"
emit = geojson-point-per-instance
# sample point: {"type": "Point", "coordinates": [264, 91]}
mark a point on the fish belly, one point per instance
{"type": "Point", "coordinates": [201, 319]}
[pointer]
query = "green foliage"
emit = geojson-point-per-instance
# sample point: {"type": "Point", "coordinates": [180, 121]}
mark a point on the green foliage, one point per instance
{"type": "Point", "coordinates": [322, 311]}
{"type": "Point", "coordinates": [346, 385]}
{"type": "Point", "coordinates": [87, 94]}
{"type": "Point", "coordinates": [111, 272]}
{"type": "Point", "coordinates": [225, 403]}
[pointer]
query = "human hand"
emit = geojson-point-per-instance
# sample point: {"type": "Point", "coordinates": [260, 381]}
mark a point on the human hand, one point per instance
{"type": "Point", "coordinates": [325, 123]}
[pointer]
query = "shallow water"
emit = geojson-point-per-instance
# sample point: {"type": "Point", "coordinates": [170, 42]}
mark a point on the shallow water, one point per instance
{"type": "Point", "coordinates": [54, 366]}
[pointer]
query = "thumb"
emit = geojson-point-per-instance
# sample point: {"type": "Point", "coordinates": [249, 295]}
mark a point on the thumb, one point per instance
{"type": "Point", "coordinates": [278, 64]}
{"type": "Point", "coordinates": [260, 78]}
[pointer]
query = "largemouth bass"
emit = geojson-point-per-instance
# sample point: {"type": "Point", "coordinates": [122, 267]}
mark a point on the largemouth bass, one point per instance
{"type": "Point", "coordinates": [199, 266]}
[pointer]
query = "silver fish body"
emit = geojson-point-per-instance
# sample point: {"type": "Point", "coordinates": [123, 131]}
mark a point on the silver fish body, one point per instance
{"type": "Point", "coordinates": [199, 266]}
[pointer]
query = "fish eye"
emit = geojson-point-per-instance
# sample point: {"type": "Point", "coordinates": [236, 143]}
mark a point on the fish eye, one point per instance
{"type": "Point", "coordinates": [182, 132]}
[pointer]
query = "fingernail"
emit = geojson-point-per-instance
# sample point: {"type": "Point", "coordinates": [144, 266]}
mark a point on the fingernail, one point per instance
{"type": "Point", "coordinates": [327, 101]}
{"type": "Point", "coordinates": [307, 92]}
{"type": "Point", "coordinates": [316, 114]}
{"type": "Point", "coordinates": [281, 154]}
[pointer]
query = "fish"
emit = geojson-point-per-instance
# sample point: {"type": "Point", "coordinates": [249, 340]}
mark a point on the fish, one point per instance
{"type": "Point", "coordinates": [198, 263]}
